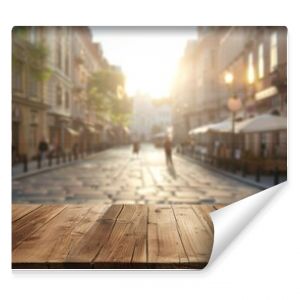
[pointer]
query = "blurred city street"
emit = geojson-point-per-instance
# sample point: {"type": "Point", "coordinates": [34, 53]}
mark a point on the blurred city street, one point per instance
{"type": "Point", "coordinates": [118, 176]}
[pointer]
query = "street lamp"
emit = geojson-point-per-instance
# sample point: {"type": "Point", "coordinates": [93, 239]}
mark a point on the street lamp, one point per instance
{"type": "Point", "coordinates": [228, 78]}
{"type": "Point", "coordinates": [234, 105]}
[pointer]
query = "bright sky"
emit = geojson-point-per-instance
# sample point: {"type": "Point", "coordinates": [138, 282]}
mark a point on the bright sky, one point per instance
{"type": "Point", "coordinates": [148, 56]}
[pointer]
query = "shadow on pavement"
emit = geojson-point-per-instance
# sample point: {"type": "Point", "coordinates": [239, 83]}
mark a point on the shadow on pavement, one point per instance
{"type": "Point", "coordinates": [172, 171]}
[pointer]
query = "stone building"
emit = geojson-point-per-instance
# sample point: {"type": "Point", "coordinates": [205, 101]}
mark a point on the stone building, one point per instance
{"type": "Point", "coordinates": [183, 93]}
{"type": "Point", "coordinates": [29, 102]}
{"type": "Point", "coordinates": [195, 93]}
{"type": "Point", "coordinates": [50, 71]}
{"type": "Point", "coordinates": [207, 75]}
{"type": "Point", "coordinates": [256, 57]}
{"type": "Point", "coordinates": [86, 59]}
{"type": "Point", "coordinates": [59, 86]}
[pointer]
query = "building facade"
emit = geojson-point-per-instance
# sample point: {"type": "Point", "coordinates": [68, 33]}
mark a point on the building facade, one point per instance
{"type": "Point", "coordinates": [256, 58]}
{"type": "Point", "coordinates": [184, 92]}
{"type": "Point", "coordinates": [59, 86]}
{"type": "Point", "coordinates": [258, 63]}
{"type": "Point", "coordinates": [87, 59]}
{"type": "Point", "coordinates": [51, 67]}
{"type": "Point", "coordinates": [29, 102]}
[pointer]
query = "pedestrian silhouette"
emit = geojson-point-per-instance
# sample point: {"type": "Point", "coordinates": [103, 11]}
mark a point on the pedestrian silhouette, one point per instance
{"type": "Point", "coordinates": [43, 148]}
{"type": "Point", "coordinates": [136, 148]}
{"type": "Point", "coordinates": [168, 151]}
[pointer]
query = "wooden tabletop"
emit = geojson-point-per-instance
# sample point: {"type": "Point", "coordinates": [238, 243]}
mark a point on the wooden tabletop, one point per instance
{"type": "Point", "coordinates": [115, 236]}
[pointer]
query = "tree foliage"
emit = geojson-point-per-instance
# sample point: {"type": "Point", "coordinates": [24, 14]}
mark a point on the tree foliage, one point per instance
{"type": "Point", "coordinates": [36, 53]}
{"type": "Point", "coordinates": [106, 94]}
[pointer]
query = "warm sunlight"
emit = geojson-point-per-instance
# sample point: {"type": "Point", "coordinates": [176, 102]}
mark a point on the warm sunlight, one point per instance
{"type": "Point", "coordinates": [148, 57]}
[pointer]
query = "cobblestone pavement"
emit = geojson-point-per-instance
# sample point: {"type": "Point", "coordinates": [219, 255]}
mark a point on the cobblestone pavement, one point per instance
{"type": "Point", "coordinates": [116, 176]}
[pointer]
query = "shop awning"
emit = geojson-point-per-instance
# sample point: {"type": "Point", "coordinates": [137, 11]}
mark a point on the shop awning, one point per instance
{"type": "Point", "coordinates": [126, 129]}
{"type": "Point", "coordinates": [72, 131]}
{"type": "Point", "coordinates": [217, 127]}
{"type": "Point", "coordinates": [265, 122]}
{"type": "Point", "coordinates": [91, 129]}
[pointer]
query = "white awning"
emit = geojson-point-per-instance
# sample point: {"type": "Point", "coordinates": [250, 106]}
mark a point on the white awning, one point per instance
{"type": "Point", "coordinates": [265, 122]}
{"type": "Point", "coordinates": [91, 129]}
{"type": "Point", "coordinates": [217, 127]}
{"type": "Point", "coordinates": [72, 131]}
{"type": "Point", "coordinates": [126, 129]}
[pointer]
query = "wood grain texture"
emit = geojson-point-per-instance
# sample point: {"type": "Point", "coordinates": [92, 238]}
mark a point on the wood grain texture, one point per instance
{"type": "Point", "coordinates": [197, 241]}
{"type": "Point", "coordinates": [164, 243]}
{"type": "Point", "coordinates": [20, 210]}
{"type": "Point", "coordinates": [127, 241]}
{"type": "Point", "coordinates": [116, 236]}
{"type": "Point", "coordinates": [32, 221]}
{"type": "Point", "coordinates": [88, 247]}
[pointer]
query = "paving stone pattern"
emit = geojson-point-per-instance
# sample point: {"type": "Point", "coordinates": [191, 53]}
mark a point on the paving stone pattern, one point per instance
{"type": "Point", "coordinates": [117, 176]}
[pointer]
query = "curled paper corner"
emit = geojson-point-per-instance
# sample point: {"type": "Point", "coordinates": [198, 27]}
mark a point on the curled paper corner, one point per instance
{"type": "Point", "coordinates": [229, 221]}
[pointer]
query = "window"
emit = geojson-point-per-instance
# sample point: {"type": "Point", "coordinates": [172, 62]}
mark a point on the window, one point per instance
{"type": "Point", "coordinates": [67, 100]}
{"type": "Point", "coordinates": [58, 95]}
{"type": "Point", "coordinates": [58, 49]}
{"type": "Point", "coordinates": [33, 35]}
{"type": "Point", "coordinates": [33, 117]}
{"type": "Point", "coordinates": [273, 51]}
{"type": "Point", "coordinates": [261, 66]}
{"type": "Point", "coordinates": [18, 76]}
{"type": "Point", "coordinates": [33, 85]}
{"type": "Point", "coordinates": [67, 64]}
{"type": "Point", "coordinates": [251, 73]}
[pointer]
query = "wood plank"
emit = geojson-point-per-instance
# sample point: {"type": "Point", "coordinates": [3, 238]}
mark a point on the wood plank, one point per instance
{"type": "Point", "coordinates": [164, 243]}
{"type": "Point", "coordinates": [37, 248]}
{"type": "Point", "coordinates": [61, 250]}
{"type": "Point", "coordinates": [219, 206]}
{"type": "Point", "coordinates": [140, 249]}
{"type": "Point", "coordinates": [127, 242]}
{"type": "Point", "coordinates": [29, 223]}
{"type": "Point", "coordinates": [203, 211]}
{"type": "Point", "coordinates": [20, 210]}
{"type": "Point", "coordinates": [121, 236]}
{"type": "Point", "coordinates": [86, 249]}
{"type": "Point", "coordinates": [197, 241]}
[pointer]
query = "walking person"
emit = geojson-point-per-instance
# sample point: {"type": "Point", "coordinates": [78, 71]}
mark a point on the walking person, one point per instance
{"type": "Point", "coordinates": [43, 149]}
{"type": "Point", "coordinates": [136, 148]}
{"type": "Point", "coordinates": [168, 151]}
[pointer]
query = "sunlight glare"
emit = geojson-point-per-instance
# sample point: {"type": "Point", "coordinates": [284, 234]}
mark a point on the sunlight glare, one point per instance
{"type": "Point", "coordinates": [148, 58]}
